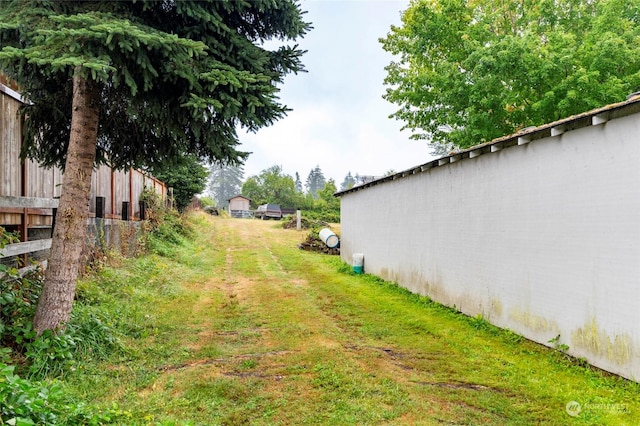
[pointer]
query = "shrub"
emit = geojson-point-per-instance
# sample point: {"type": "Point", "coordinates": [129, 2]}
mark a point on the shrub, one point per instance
{"type": "Point", "coordinates": [50, 354]}
{"type": "Point", "coordinates": [24, 402]}
{"type": "Point", "coordinates": [18, 298]}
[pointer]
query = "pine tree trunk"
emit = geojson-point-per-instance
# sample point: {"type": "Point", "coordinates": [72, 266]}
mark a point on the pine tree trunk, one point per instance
{"type": "Point", "coordinates": [55, 303]}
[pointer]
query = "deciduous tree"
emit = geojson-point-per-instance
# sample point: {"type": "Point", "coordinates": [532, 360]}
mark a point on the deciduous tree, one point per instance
{"type": "Point", "coordinates": [186, 175]}
{"type": "Point", "coordinates": [137, 83]}
{"type": "Point", "coordinates": [470, 71]}
{"type": "Point", "coordinates": [326, 197]}
{"type": "Point", "coordinates": [272, 185]}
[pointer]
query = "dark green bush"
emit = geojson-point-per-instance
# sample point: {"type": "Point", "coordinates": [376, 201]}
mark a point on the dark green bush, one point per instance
{"type": "Point", "coordinates": [24, 402]}
{"type": "Point", "coordinates": [86, 336]}
{"type": "Point", "coordinates": [18, 298]}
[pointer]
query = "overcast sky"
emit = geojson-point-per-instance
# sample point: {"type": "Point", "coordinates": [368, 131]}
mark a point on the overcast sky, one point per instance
{"type": "Point", "coordinates": [339, 119]}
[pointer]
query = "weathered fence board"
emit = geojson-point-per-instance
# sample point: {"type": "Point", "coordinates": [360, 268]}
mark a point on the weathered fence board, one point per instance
{"type": "Point", "coordinates": [10, 139]}
{"type": "Point", "coordinates": [28, 179]}
{"type": "Point", "coordinates": [17, 249]}
{"type": "Point", "coordinates": [28, 202]}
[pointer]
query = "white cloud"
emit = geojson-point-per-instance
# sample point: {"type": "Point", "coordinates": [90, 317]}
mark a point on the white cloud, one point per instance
{"type": "Point", "coordinates": [339, 119]}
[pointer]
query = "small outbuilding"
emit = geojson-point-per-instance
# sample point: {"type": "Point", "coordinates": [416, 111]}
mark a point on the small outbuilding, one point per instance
{"type": "Point", "coordinates": [240, 207]}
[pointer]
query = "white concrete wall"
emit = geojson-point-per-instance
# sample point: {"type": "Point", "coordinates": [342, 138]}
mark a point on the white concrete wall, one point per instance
{"type": "Point", "coordinates": [542, 239]}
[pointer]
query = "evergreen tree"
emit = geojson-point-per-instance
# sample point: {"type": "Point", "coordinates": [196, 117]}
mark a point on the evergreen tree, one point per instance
{"type": "Point", "coordinates": [298, 184]}
{"type": "Point", "coordinates": [348, 182]}
{"type": "Point", "coordinates": [315, 181]}
{"type": "Point", "coordinates": [225, 181]}
{"type": "Point", "coordinates": [138, 83]}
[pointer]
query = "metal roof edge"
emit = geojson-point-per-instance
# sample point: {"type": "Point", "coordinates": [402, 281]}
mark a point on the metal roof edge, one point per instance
{"type": "Point", "coordinates": [530, 134]}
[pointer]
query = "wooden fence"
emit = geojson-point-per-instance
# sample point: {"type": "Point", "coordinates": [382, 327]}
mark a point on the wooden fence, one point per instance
{"type": "Point", "coordinates": [25, 247]}
{"type": "Point", "coordinates": [115, 194]}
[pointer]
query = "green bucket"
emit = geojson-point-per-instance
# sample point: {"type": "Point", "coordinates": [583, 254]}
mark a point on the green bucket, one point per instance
{"type": "Point", "coordinates": [358, 263]}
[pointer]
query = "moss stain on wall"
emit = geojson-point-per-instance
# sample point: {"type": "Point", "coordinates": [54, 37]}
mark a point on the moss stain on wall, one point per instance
{"type": "Point", "coordinates": [591, 338]}
{"type": "Point", "coordinates": [532, 322]}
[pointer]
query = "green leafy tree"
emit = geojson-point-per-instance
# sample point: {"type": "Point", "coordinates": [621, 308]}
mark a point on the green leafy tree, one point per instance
{"type": "Point", "coordinates": [315, 181]}
{"type": "Point", "coordinates": [251, 189]}
{"type": "Point", "coordinates": [225, 181]}
{"type": "Point", "coordinates": [470, 71]}
{"type": "Point", "coordinates": [271, 186]}
{"type": "Point", "coordinates": [186, 175]}
{"type": "Point", "coordinates": [326, 197]}
{"type": "Point", "coordinates": [138, 83]}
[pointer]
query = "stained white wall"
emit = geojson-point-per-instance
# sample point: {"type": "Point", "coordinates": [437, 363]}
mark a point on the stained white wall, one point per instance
{"type": "Point", "coordinates": [542, 239]}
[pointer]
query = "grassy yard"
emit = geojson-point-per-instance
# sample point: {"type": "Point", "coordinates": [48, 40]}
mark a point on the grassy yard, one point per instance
{"type": "Point", "coordinates": [239, 326]}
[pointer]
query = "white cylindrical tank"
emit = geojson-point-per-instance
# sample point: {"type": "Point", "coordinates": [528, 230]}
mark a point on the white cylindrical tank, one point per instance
{"type": "Point", "coordinates": [329, 238]}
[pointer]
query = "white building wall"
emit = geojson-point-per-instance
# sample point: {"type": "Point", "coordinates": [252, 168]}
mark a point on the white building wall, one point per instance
{"type": "Point", "coordinates": [542, 239]}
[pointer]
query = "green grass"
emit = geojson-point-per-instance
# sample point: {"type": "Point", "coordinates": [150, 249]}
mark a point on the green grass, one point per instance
{"type": "Point", "coordinates": [235, 325]}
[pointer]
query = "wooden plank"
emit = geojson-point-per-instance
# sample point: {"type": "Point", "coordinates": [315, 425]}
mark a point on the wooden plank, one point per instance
{"type": "Point", "coordinates": [23, 248]}
{"type": "Point", "coordinates": [20, 210]}
{"type": "Point", "coordinates": [23, 271]}
{"type": "Point", "coordinates": [10, 140]}
{"type": "Point", "coordinates": [28, 202]}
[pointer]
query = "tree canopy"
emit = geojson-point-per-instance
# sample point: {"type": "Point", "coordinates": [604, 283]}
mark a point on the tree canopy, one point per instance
{"type": "Point", "coordinates": [174, 77]}
{"type": "Point", "coordinates": [315, 181]}
{"type": "Point", "coordinates": [470, 71]}
{"type": "Point", "coordinates": [326, 197]}
{"type": "Point", "coordinates": [272, 185]}
{"type": "Point", "coordinates": [138, 83]}
{"type": "Point", "coordinates": [187, 176]}
{"type": "Point", "coordinates": [348, 182]}
{"type": "Point", "coordinates": [225, 181]}
{"type": "Point", "coordinates": [298, 184]}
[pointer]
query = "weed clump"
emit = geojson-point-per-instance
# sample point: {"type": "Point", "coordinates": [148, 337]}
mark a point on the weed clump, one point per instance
{"type": "Point", "coordinates": [165, 228]}
{"type": "Point", "coordinates": [30, 364]}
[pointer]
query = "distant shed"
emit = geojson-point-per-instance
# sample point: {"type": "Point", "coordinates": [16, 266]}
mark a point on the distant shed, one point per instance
{"type": "Point", "coordinates": [240, 206]}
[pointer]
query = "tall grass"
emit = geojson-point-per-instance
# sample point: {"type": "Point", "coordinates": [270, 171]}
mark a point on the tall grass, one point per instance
{"type": "Point", "coordinates": [231, 323]}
